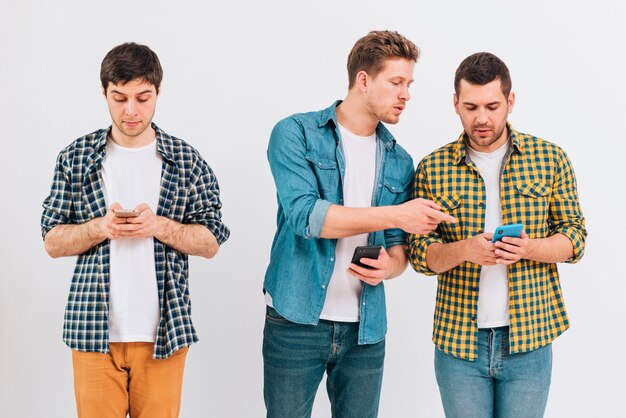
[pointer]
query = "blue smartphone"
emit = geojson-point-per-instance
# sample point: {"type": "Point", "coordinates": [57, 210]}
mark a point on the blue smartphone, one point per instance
{"type": "Point", "coordinates": [513, 230]}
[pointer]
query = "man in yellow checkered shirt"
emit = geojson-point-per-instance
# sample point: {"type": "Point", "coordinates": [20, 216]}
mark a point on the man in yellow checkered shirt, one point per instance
{"type": "Point", "coordinates": [499, 305]}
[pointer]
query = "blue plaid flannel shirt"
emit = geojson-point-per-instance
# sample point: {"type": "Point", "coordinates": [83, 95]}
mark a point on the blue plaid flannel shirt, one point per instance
{"type": "Point", "coordinates": [189, 195]}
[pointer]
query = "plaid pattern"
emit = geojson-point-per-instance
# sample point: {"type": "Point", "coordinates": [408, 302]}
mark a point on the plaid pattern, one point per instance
{"type": "Point", "coordinates": [189, 195]}
{"type": "Point", "coordinates": [537, 189]}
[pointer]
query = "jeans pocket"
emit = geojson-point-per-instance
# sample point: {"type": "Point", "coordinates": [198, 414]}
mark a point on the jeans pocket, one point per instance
{"type": "Point", "coordinates": [274, 317]}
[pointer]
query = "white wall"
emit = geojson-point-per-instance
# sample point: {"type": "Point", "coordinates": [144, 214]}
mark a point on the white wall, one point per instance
{"type": "Point", "coordinates": [232, 69]}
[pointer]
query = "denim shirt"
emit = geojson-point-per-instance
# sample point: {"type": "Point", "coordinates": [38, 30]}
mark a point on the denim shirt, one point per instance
{"type": "Point", "coordinates": [307, 162]}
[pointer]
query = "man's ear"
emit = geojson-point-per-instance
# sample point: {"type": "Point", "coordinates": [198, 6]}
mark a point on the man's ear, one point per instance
{"type": "Point", "coordinates": [455, 101]}
{"type": "Point", "coordinates": [511, 102]}
{"type": "Point", "coordinates": [362, 81]}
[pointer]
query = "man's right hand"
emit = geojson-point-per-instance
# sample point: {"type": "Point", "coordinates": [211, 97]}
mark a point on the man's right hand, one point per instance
{"type": "Point", "coordinates": [420, 216]}
{"type": "Point", "coordinates": [106, 223]}
{"type": "Point", "coordinates": [480, 250]}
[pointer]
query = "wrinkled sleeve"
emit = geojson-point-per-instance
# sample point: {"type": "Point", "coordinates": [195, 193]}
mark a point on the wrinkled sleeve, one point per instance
{"type": "Point", "coordinates": [418, 244]}
{"type": "Point", "coordinates": [397, 236]}
{"type": "Point", "coordinates": [204, 202]}
{"type": "Point", "coordinates": [565, 216]}
{"type": "Point", "coordinates": [57, 207]}
{"type": "Point", "coordinates": [296, 183]}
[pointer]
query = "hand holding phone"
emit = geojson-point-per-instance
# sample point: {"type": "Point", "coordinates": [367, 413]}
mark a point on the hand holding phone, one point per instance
{"type": "Point", "coordinates": [365, 251]}
{"type": "Point", "coordinates": [126, 213]}
{"type": "Point", "coordinates": [512, 230]}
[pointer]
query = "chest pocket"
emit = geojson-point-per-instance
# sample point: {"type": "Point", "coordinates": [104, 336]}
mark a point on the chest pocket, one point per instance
{"type": "Point", "coordinates": [531, 208]}
{"type": "Point", "coordinates": [327, 173]}
{"type": "Point", "coordinates": [451, 204]}
{"type": "Point", "coordinates": [392, 191]}
{"type": "Point", "coordinates": [533, 189]}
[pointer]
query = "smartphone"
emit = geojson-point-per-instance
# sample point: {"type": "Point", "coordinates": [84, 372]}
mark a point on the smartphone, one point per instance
{"type": "Point", "coordinates": [366, 251]}
{"type": "Point", "coordinates": [126, 213]}
{"type": "Point", "coordinates": [513, 230]}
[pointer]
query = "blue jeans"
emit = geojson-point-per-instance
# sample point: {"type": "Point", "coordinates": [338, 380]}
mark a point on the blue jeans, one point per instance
{"type": "Point", "coordinates": [496, 384]}
{"type": "Point", "coordinates": [296, 356]}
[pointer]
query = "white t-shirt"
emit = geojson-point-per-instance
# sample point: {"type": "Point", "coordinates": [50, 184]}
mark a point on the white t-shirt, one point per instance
{"type": "Point", "coordinates": [344, 291]}
{"type": "Point", "coordinates": [132, 176]}
{"type": "Point", "coordinates": [493, 289]}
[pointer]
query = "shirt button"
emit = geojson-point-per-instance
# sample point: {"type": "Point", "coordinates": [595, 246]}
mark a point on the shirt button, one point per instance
{"type": "Point", "coordinates": [481, 204]}
{"type": "Point", "coordinates": [332, 259]}
{"type": "Point", "coordinates": [364, 303]}
{"type": "Point", "coordinates": [323, 286]}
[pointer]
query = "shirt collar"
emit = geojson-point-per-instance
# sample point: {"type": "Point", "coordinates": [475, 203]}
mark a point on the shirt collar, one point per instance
{"type": "Point", "coordinates": [460, 147]}
{"type": "Point", "coordinates": [330, 114]}
{"type": "Point", "coordinates": [164, 142]}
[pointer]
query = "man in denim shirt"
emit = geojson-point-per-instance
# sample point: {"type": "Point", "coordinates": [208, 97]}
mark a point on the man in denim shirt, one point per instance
{"type": "Point", "coordinates": [342, 181]}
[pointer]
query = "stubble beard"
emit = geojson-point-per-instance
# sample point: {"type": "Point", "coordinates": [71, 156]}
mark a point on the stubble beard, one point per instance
{"type": "Point", "coordinates": [490, 141]}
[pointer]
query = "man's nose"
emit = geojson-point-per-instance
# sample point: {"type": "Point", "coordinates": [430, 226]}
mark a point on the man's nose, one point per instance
{"type": "Point", "coordinates": [130, 107]}
{"type": "Point", "coordinates": [405, 94]}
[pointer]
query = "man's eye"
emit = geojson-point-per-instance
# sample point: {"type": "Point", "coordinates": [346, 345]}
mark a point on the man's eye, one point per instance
{"type": "Point", "coordinates": [120, 100]}
{"type": "Point", "coordinates": [142, 100]}
{"type": "Point", "coordinates": [492, 107]}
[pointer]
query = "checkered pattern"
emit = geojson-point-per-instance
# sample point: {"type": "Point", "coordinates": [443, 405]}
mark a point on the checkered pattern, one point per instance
{"type": "Point", "coordinates": [537, 189]}
{"type": "Point", "coordinates": [189, 195]}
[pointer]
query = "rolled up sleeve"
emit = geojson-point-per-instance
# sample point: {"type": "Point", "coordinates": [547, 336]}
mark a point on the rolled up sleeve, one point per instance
{"type": "Point", "coordinates": [418, 244]}
{"type": "Point", "coordinates": [204, 202]}
{"type": "Point", "coordinates": [296, 183]}
{"type": "Point", "coordinates": [57, 207]}
{"type": "Point", "coordinates": [565, 216]}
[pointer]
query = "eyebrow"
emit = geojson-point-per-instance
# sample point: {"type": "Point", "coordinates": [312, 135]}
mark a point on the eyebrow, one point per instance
{"type": "Point", "coordinates": [402, 77]}
{"type": "Point", "coordinates": [474, 104]}
{"type": "Point", "coordinates": [138, 94]}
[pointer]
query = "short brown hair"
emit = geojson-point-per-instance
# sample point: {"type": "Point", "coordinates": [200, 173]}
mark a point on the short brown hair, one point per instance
{"type": "Point", "coordinates": [482, 68]}
{"type": "Point", "coordinates": [131, 61]}
{"type": "Point", "coordinates": [371, 51]}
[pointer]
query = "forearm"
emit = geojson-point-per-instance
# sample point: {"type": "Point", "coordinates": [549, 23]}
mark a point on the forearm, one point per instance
{"type": "Point", "coordinates": [69, 240]}
{"type": "Point", "coordinates": [554, 249]}
{"type": "Point", "coordinates": [399, 257]}
{"type": "Point", "coordinates": [191, 239]}
{"type": "Point", "coordinates": [341, 221]}
{"type": "Point", "coordinates": [443, 257]}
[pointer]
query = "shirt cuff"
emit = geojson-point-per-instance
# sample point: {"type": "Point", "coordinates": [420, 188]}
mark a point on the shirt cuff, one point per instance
{"type": "Point", "coordinates": [418, 249]}
{"type": "Point", "coordinates": [394, 237]}
{"type": "Point", "coordinates": [578, 242]}
{"type": "Point", "coordinates": [317, 218]}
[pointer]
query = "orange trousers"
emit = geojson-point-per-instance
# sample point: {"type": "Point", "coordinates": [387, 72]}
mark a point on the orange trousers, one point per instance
{"type": "Point", "coordinates": [128, 381]}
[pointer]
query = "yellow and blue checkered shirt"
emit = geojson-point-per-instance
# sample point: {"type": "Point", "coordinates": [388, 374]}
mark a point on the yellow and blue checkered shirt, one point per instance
{"type": "Point", "coordinates": [538, 190]}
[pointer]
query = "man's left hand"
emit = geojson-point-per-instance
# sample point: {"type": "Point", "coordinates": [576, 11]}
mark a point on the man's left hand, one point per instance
{"type": "Point", "coordinates": [511, 249]}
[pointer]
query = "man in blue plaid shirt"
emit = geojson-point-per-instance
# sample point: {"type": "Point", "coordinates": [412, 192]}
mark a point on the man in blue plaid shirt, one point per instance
{"type": "Point", "coordinates": [132, 202]}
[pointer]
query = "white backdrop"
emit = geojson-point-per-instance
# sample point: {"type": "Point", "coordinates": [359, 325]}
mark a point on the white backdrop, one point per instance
{"type": "Point", "coordinates": [233, 69]}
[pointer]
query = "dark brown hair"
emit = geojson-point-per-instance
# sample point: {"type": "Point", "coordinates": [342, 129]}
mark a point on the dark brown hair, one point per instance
{"type": "Point", "coordinates": [128, 62]}
{"type": "Point", "coordinates": [370, 52]}
{"type": "Point", "coordinates": [482, 68]}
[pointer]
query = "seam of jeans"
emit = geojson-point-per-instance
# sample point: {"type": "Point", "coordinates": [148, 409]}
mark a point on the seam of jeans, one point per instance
{"type": "Point", "coordinates": [491, 352]}
{"type": "Point", "coordinates": [333, 345]}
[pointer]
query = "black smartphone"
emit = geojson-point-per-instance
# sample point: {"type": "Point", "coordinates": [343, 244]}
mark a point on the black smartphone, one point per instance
{"type": "Point", "coordinates": [365, 251]}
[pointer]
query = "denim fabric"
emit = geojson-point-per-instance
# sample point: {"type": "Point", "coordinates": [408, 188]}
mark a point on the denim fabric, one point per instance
{"type": "Point", "coordinates": [496, 384]}
{"type": "Point", "coordinates": [307, 162]}
{"type": "Point", "coordinates": [295, 357]}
